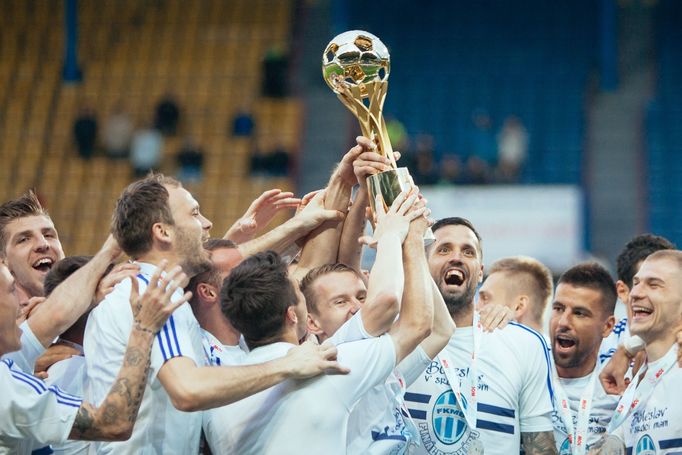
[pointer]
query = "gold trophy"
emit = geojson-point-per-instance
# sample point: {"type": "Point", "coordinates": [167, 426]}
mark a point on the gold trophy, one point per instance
{"type": "Point", "coordinates": [356, 65]}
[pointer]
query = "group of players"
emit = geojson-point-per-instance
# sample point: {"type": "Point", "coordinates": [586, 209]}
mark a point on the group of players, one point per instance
{"type": "Point", "coordinates": [279, 344]}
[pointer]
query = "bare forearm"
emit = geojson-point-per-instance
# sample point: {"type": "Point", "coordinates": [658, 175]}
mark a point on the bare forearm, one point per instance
{"type": "Point", "coordinates": [69, 300]}
{"type": "Point", "coordinates": [418, 303]}
{"type": "Point", "coordinates": [387, 275]}
{"type": "Point", "coordinates": [443, 325]}
{"type": "Point", "coordinates": [278, 239]}
{"type": "Point", "coordinates": [350, 250]}
{"type": "Point", "coordinates": [196, 389]}
{"type": "Point", "coordinates": [541, 443]}
{"type": "Point", "coordinates": [323, 243]}
{"type": "Point", "coordinates": [115, 417]}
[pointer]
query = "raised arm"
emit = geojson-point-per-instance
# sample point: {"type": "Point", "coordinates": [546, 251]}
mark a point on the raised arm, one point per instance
{"type": "Point", "coordinates": [322, 245]}
{"type": "Point", "coordinates": [73, 297]}
{"type": "Point", "coordinates": [193, 388]}
{"type": "Point", "coordinates": [283, 236]}
{"type": "Point", "coordinates": [367, 163]}
{"type": "Point", "coordinates": [114, 419]}
{"type": "Point", "coordinates": [259, 214]}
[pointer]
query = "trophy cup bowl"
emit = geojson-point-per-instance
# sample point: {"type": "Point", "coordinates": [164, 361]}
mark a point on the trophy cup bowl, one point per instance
{"type": "Point", "coordinates": [356, 65]}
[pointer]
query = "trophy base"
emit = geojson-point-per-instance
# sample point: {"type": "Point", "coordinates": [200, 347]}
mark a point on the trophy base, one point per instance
{"type": "Point", "coordinates": [390, 184]}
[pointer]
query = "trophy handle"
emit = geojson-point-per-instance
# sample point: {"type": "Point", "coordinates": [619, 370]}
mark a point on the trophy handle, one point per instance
{"type": "Point", "coordinates": [390, 184]}
{"type": "Point", "coordinates": [370, 116]}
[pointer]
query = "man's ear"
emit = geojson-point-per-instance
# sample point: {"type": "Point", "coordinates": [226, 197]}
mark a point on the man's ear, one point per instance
{"type": "Point", "coordinates": [313, 326]}
{"type": "Point", "coordinates": [608, 326]}
{"type": "Point", "coordinates": [162, 233]}
{"type": "Point", "coordinates": [521, 306]}
{"type": "Point", "coordinates": [291, 314]}
{"type": "Point", "coordinates": [207, 293]}
{"type": "Point", "coordinates": [623, 291]}
{"type": "Point", "coordinates": [480, 276]}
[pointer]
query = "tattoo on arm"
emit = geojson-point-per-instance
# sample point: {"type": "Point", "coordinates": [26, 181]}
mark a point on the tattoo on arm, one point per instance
{"type": "Point", "coordinates": [540, 443]}
{"type": "Point", "coordinates": [116, 415]}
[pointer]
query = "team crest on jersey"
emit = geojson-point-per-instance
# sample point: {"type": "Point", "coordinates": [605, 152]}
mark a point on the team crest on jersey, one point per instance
{"type": "Point", "coordinates": [449, 423]}
{"type": "Point", "coordinates": [645, 446]}
{"type": "Point", "coordinates": [565, 448]}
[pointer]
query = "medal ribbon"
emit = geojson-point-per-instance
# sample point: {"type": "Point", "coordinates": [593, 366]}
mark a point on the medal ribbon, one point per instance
{"type": "Point", "coordinates": [470, 406]}
{"type": "Point", "coordinates": [577, 436]}
{"type": "Point", "coordinates": [639, 391]}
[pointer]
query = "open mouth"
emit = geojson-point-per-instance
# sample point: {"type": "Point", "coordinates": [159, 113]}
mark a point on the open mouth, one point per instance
{"type": "Point", "coordinates": [565, 342]}
{"type": "Point", "coordinates": [43, 265]}
{"type": "Point", "coordinates": [641, 312]}
{"type": "Point", "coordinates": [454, 277]}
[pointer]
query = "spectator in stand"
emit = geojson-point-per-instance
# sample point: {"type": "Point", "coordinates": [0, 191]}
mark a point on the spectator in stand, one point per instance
{"type": "Point", "coordinates": [191, 161]}
{"type": "Point", "coordinates": [145, 151]}
{"type": "Point", "coordinates": [451, 169]}
{"type": "Point", "coordinates": [85, 132]}
{"type": "Point", "coordinates": [242, 125]}
{"type": "Point", "coordinates": [426, 170]}
{"type": "Point", "coordinates": [482, 148]}
{"type": "Point", "coordinates": [512, 149]}
{"type": "Point", "coordinates": [118, 130]}
{"type": "Point", "coordinates": [167, 115]}
{"type": "Point", "coordinates": [275, 69]}
{"type": "Point", "coordinates": [278, 161]}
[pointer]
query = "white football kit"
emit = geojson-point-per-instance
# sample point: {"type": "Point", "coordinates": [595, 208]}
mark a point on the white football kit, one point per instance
{"type": "Point", "coordinates": [219, 354]}
{"type": "Point", "coordinates": [513, 393]}
{"type": "Point", "coordinates": [600, 412]}
{"type": "Point", "coordinates": [655, 426]}
{"type": "Point", "coordinates": [379, 423]}
{"type": "Point", "coordinates": [32, 414]}
{"type": "Point", "coordinates": [609, 345]}
{"type": "Point", "coordinates": [31, 349]}
{"type": "Point", "coordinates": [295, 417]}
{"type": "Point", "coordinates": [160, 427]}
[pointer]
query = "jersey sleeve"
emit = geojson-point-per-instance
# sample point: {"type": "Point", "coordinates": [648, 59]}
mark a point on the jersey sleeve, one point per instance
{"type": "Point", "coordinates": [352, 330]}
{"type": "Point", "coordinates": [370, 362]}
{"type": "Point", "coordinates": [179, 337]}
{"type": "Point", "coordinates": [31, 409]}
{"type": "Point", "coordinates": [414, 365]}
{"type": "Point", "coordinates": [31, 349]}
{"type": "Point", "coordinates": [535, 402]}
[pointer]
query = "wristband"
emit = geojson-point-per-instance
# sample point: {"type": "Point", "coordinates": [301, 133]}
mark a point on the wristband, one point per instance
{"type": "Point", "coordinates": [633, 345]}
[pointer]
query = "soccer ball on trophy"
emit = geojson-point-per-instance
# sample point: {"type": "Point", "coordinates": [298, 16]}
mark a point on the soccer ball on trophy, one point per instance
{"type": "Point", "coordinates": [353, 59]}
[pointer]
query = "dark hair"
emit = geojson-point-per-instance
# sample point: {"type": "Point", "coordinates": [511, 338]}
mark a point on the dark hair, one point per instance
{"type": "Point", "coordinates": [312, 276]}
{"type": "Point", "coordinates": [457, 221]}
{"type": "Point", "coordinates": [25, 205]}
{"type": "Point", "coordinates": [592, 276]}
{"type": "Point", "coordinates": [212, 275]}
{"type": "Point", "coordinates": [141, 205]}
{"type": "Point", "coordinates": [535, 278]}
{"type": "Point", "coordinates": [635, 251]}
{"type": "Point", "coordinates": [255, 298]}
{"type": "Point", "coordinates": [62, 270]}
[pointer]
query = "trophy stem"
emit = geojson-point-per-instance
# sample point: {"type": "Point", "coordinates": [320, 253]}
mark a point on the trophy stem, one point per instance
{"type": "Point", "coordinates": [390, 184]}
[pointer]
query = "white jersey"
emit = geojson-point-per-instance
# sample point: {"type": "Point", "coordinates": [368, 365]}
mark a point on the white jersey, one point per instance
{"type": "Point", "coordinates": [69, 376]}
{"type": "Point", "coordinates": [31, 349]}
{"type": "Point", "coordinates": [219, 354]}
{"type": "Point", "coordinates": [609, 345]}
{"type": "Point", "coordinates": [158, 424]}
{"type": "Point", "coordinates": [296, 417]}
{"type": "Point", "coordinates": [379, 422]}
{"type": "Point", "coordinates": [603, 406]}
{"type": "Point", "coordinates": [514, 393]}
{"type": "Point", "coordinates": [31, 413]}
{"type": "Point", "coordinates": [656, 425]}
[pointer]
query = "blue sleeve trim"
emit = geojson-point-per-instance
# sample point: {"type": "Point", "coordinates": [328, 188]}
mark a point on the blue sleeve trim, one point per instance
{"type": "Point", "coordinates": [547, 356]}
{"type": "Point", "coordinates": [494, 426]}
{"type": "Point", "coordinates": [175, 334]}
{"type": "Point", "coordinates": [496, 410]}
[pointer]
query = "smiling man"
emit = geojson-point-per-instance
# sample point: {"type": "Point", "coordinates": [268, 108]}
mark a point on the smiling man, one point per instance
{"type": "Point", "coordinates": [582, 316]}
{"type": "Point", "coordinates": [649, 416]}
{"type": "Point", "coordinates": [29, 244]}
{"type": "Point", "coordinates": [486, 391]}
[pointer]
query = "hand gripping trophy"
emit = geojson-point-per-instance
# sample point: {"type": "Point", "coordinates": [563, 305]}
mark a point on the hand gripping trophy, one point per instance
{"type": "Point", "coordinates": [356, 65]}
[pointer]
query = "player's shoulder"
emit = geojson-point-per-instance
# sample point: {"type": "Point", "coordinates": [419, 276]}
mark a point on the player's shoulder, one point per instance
{"type": "Point", "coordinates": [519, 336]}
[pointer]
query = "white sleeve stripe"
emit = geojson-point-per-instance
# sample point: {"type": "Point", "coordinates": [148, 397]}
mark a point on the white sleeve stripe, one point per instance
{"type": "Point", "coordinates": [40, 389]}
{"type": "Point", "coordinates": [30, 384]}
{"type": "Point", "coordinates": [169, 348]}
{"type": "Point", "coordinates": [63, 395]}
